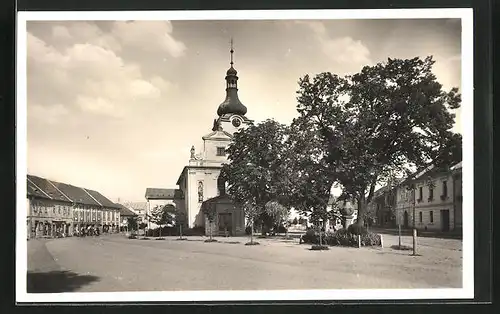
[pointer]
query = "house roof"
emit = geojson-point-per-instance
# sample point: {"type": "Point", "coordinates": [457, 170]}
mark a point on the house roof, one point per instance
{"type": "Point", "coordinates": [47, 188]}
{"type": "Point", "coordinates": [44, 188]}
{"type": "Point", "coordinates": [76, 194]}
{"type": "Point", "coordinates": [33, 190]}
{"type": "Point", "coordinates": [124, 211]}
{"type": "Point", "coordinates": [101, 199]}
{"type": "Point", "coordinates": [163, 194]}
{"type": "Point", "coordinates": [136, 205]}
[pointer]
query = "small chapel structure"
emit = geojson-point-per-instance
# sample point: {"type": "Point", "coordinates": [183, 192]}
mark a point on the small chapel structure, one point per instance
{"type": "Point", "coordinates": [199, 182]}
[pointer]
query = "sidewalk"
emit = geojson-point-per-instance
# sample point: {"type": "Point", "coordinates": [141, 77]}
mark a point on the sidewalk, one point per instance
{"type": "Point", "coordinates": [420, 233]}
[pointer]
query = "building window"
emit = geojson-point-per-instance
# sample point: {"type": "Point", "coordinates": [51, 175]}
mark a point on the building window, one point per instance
{"type": "Point", "coordinates": [431, 216]}
{"type": "Point", "coordinates": [431, 193]}
{"type": "Point", "coordinates": [420, 217]}
{"type": "Point", "coordinates": [445, 190]}
{"type": "Point", "coordinates": [221, 151]}
{"type": "Point", "coordinates": [420, 194]}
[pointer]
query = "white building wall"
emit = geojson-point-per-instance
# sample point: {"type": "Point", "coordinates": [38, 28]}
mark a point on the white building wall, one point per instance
{"type": "Point", "coordinates": [209, 179]}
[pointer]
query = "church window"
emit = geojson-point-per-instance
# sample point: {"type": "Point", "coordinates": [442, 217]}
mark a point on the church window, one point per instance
{"type": "Point", "coordinates": [221, 151]}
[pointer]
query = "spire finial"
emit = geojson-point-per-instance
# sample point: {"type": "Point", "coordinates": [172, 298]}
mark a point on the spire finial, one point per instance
{"type": "Point", "coordinates": [232, 51]}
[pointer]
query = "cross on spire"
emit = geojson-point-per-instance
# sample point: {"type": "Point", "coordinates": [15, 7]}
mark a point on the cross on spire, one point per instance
{"type": "Point", "coordinates": [232, 51]}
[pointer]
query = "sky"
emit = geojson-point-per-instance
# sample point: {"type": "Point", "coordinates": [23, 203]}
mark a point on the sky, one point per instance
{"type": "Point", "coordinates": [115, 106]}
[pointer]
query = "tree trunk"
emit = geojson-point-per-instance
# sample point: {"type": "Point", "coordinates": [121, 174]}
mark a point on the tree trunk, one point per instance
{"type": "Point", "coordinates": [160, 231]}
{"type": "Point", "coordinates": [180, 231]}
{"type": "Point", "coordinates": [361, 211]}
{"type": "Point", "coordinates": [251, 233]}
{"type": "Point", "coordinates": [211, 231]}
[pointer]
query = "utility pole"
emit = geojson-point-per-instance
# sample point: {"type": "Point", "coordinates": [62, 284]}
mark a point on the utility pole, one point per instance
{"type": "Point", "coordinates": [414, 225]}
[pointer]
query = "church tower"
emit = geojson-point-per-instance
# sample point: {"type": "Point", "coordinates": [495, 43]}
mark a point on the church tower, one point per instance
{"type": "Point", "coordinates": [231, 111]}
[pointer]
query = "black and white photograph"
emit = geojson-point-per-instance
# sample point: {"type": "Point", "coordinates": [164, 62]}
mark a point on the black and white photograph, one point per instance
{"type": "Point", "coordinates": [250, 155]}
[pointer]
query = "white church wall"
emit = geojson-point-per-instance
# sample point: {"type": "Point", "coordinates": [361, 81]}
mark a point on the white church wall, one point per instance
{"type": "Point", "coordinates": [209, 179]}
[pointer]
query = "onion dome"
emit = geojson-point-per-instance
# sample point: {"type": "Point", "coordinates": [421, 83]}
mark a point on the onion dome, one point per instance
{"type": "Point", "coordinates": [232, 104]}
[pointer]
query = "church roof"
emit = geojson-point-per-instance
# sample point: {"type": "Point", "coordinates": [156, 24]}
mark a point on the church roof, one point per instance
{"type": "Point", "coordinates": [232, 103]}
{"type": "Point", "coordinates": [163, 194]}
{"type": "Point", "coordinates": [218, 135]}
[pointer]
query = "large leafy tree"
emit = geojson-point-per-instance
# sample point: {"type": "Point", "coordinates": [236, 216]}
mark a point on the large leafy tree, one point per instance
{"type": "Point", "coordinates": [389, 118]}
{"type": "Point", "coordinates": [256, 172]}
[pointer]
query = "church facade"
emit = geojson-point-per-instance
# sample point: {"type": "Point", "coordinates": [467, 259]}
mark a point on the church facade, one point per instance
{"type": "Point", "coordinates": [199, 181]}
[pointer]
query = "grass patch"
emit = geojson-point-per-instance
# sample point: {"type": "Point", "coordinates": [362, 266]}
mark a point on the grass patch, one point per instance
{"type": "Point", "coordinates": [401, 248]}
{"type": "Point", "coordinates": [210, 240]}
{"type": "Point", "coordinates": [132, 237]}
{"type": "Point", "coordinates": [160, 239]}
{"type": "Point", "coordinates": [252, 243]}
{"type": "Point", "coordinates": [319, 248]}
{"type": "Point", "coordinates": [233, 242]}
{"type": "Point", "coordinates": [145, 238]}
{"type": "Point", "coordinates": [182, 239]}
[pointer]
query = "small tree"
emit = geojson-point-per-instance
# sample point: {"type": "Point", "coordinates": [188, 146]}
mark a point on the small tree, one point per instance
{"type": "Point", "coordinates": [295, 221]}
{"type": "Point", "coordinates": [143, 226]}
{"type": "Point", "coordinates": [162, 215]}
{"type": "Point", "coordinates": [278, 212]}
{"type": "Point", "coordinates": [132, 223]}
{"type": "Point", "coordinates": [180, 220]}
{"type": "Point", "coordinates": [210, 212]}
{"type": "Point", "coordinates": [251, 212]}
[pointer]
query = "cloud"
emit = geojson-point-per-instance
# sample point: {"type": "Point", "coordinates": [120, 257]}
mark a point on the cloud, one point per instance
{"type": "Point", "coordinates": [86, 74]}
{"type": "Point", "coordinates": [344, 50]}
{"type": "Point", "coordinates": [149, 35]}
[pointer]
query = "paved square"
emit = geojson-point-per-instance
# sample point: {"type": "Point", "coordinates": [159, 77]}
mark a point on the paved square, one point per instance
{"type": "Point", "coordinates": [115, 263]}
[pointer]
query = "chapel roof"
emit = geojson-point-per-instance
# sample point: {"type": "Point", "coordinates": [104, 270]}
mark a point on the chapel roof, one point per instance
{"type": "Point", "coordinates": [163, 194]}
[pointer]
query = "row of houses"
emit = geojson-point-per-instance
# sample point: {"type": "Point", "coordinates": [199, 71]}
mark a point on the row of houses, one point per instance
{"type": "Point", "coordinates": [428, 200]}
{"type": "Point", "coordinates": [60, 209]}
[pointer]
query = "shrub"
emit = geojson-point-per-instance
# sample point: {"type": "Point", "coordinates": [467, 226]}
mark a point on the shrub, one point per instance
{"type": "Point", "coordinates": [319, 247]}
{"type": "Point", "coordinates": [402, 247]}
{"type": "Point", "coordinates": [211, 240]}
{"type": "Point", "coordinates": [132, 236]}
{"type": "Point", "coordinates": [248, 230]}
{"type": "Point", "coordinates": [252, 243]}
{"type": "Point", "coordinates": [341, 237]}
{"type": "Point", "coordinates": [282, 229]}
{"type": "Point", "coordinates": [311, 236]}
{"type": "Point", "coordinates": [357, 229]}
{"type": "Point", "coordinates": [160, 239]}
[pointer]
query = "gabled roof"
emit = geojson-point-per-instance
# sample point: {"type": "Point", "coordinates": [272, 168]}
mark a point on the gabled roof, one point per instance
{"type": "Point", "coordinates": [33, 190]}
{"type": "Point", "coordinates": [218, 135]}
{"type": "Point", "coordinates": [101, 199]}
{"type": "Point", "coordinates": [47, 188]}
{"type": "Point", "coordinates": [124, 211]}
{"type": "Point", "coordinates": [76, 194]}
{"type": "Point", "coordinates": [163, 194]}
{"type": "Point", "coordinates": [136, 205]}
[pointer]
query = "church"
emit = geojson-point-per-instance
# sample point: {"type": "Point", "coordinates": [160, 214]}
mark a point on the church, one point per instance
{"type": "Point", "coordinates": [199, 182]}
